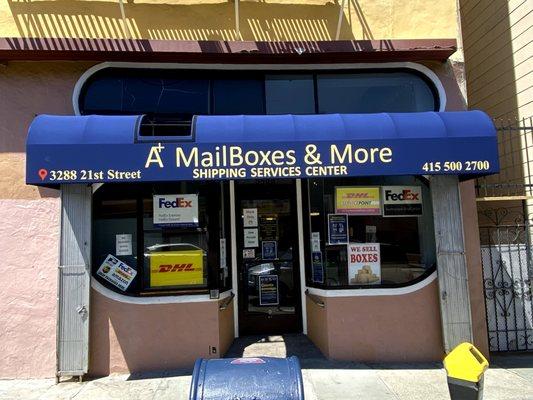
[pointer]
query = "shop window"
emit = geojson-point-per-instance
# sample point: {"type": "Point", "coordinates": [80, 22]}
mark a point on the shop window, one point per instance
{"type": "Point", "coordinates": [170, 98]}
{"type": "Point", "coordinates": [290, 94]}
{"type": "Point", "coordinates": [373, 93]}
{"type": "Point", "coordinates": [369, 232]}
{"type": "Point", "coordinates": [164, 238]}
{"type": "Point", "coordinates": [238, 96]}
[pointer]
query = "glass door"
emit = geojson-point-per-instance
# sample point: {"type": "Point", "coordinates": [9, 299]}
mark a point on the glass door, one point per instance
{"type": "Point", "coordinates": [267, 252]}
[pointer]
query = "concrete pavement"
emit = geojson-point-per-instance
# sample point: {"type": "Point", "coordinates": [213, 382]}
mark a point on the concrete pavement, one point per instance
{"type": "Point", "coordinates": [509, 378]}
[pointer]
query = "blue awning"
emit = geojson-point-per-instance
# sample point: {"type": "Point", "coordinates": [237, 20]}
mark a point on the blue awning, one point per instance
{"type": "Point", "coordinates": [88, 149]}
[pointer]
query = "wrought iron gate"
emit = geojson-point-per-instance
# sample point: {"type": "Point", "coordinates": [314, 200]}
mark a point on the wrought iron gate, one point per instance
{"type": "Point", "coordinates": [507, 257]}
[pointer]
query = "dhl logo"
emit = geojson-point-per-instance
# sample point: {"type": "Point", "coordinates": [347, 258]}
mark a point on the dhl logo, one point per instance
{"type": "Point", "coordinates": [176, 268]}
{"type": "Point", "coordinates": [358, 195]}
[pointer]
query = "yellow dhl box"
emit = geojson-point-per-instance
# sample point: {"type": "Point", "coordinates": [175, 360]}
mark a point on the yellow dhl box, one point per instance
{"type": "Point", "coordinates": [176, 268]}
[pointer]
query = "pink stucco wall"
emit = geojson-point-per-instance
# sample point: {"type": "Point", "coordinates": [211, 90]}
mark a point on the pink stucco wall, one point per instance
{"type": "Point", "coordinates": [29, 228]}
{"type": "Point", "coordinates": [29, 235]}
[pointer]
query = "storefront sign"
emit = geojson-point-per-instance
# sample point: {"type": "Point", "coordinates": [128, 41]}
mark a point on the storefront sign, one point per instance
{"type": "Point", "coordinates": [357, 200]}
{"type": "Point", "coordinates": [364, 264]}
{"type": "Point", "coordinates": [176, 268]}
{"type": "Point", "coordinates": [337, 228]}
{"type": "Point", "coordinates": [318, 267]}
{"type": "Point", "coordinates": [268, 290]}
{"type": "Point", "coordinates": [176, 210]}
{"type": "Point", "coordinates": [251, 237]}
{"type": "Point", "coordinates": [402, 201]}
{"type": "Point", "coordinates": [116, 272]}
{"type": "Point", "coordinates": [269, 249]}
{"type": "Point", "coordinates": [123, 246]}
{"type": "Point", "coordinates": [70, 150]}
{"type": "Point", "coordinates": [249, 217]}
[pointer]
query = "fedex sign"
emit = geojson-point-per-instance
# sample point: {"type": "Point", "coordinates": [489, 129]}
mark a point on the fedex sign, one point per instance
{"type": "Point", "coordinates": [402, 201]}
{"type": "Point", "coordinates": [178, 202]}
{"type": "Point", "coordinates": [176, 210]}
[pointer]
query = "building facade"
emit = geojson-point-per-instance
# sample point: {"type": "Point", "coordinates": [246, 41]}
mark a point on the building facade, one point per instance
{"type": "Point", "coordinates": [160, 197]}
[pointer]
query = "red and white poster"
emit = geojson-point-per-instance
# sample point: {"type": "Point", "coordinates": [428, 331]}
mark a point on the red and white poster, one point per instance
{"type": "Point", "coordinates": [364, 264]}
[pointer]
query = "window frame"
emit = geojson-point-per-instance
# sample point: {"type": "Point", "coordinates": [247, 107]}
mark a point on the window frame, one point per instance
{"type": "Point", "coordinates": [306, 210]}
{"type": "Point", "coordinates": [215, 279]}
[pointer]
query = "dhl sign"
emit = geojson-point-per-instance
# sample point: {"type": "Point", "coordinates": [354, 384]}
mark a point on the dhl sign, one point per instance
{"type": "Point", "coordinates": [176, 268]}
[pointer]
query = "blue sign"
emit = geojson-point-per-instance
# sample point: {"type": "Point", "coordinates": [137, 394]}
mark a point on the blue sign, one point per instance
{"type": "Point", "coordinates": [337, 228]}
{"type": "Point", "coordinates": [109, 149]}
{"type": "Point", "coordinates": [268, 290]}
{"type": "Point", "coordinates": [318, 268]}
{"type": "Point", "coordinates": [269, 249]}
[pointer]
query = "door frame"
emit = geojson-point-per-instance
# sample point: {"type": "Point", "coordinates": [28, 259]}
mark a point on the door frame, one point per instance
{"type": "Point", "coordinates": [301, 256]}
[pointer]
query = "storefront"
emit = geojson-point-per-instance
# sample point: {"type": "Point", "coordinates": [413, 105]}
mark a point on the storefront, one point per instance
{"type": "Point", "coordinates": [320, 201]}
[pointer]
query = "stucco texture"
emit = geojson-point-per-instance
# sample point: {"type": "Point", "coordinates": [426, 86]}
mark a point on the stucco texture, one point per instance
{"type": "Point", "coordinates": [270, 20]}
{"type": "Point", "coordinates": [143, 337]}
{"type": "Point", "coordinates": [29, 235]}
{"type": "Point", "coordinates": [379, 328]}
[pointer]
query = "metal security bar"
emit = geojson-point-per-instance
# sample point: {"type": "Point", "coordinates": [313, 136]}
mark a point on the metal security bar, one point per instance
{"type": "Point", "coordinates": [508, 277]}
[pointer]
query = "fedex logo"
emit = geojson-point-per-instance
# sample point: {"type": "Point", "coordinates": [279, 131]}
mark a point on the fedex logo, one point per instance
{"type": "Point", "coordinates": [404, 195]}
{"type": "Point", "coordinates": [180, 202]}
{"type": "Point", "coordinates": [175, 268]}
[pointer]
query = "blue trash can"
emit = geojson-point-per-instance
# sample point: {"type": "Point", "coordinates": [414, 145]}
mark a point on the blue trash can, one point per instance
{"type": "Point", "coordinates": [254, 378]}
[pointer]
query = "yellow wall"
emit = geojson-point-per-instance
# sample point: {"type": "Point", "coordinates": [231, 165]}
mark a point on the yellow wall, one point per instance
{"type": "Point", "coordinates": [265, 20]}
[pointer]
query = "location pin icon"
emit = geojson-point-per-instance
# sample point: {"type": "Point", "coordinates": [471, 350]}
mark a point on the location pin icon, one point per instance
{"type": "Point", "coordinates": [43, 173]}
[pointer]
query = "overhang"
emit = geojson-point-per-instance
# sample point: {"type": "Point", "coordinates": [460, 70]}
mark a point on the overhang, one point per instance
{"type": "Point", "coordinates": [304, 52]}
{"type": "Point", "coordinates": [92, 149]}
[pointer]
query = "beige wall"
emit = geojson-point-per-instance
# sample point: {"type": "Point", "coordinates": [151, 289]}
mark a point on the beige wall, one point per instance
{"type": "Point", "coordinates": [379, 328]}
{"type": "Point", "coordinates": [271, 20]}
{"type": "Point", "coordinates": [133, 337]}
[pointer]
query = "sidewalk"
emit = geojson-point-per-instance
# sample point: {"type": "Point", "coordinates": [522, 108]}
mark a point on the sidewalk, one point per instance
{"type": "Point", "coordinates": [510, 377]}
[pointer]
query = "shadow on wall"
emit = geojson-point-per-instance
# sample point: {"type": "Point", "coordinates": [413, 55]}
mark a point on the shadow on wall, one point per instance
{"type": "Point", "coordinates": [490, 63]}
{"type": "Point", "coordinates": [259, 21]}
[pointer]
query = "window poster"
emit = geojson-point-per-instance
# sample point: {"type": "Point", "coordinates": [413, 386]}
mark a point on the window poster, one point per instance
{"type": "Point", "coordinates": [249, 216]}
{"type": "Point", "coordinates": [269, 249]}
{"type": "Point", "coordinates": [116, 272]}
{"type": "Point", "coordinates": [223, 262]}
{"type": "Point", "coordinates": [337, 228]}
{"type": "Point", "coordinates": [176, 268]}
{"type": "Point", "coordinates": [248, 253]}
{"type": "Point", "coordinates": [123, 245]}
{"type": "Point", "coordinates": [251, 237]}
{"type": "Point", "coordinates": [268, 290]}
{"type": "Point", "coordinates": [315, 241]}
{"type": "Point", "coordinates": [402, 201]}
{"type": "Point", "coordinates": [317, 267]}
{"type": "Point", "coordinates": [268, 226]}
{"type": "Point", "coordinates": [364, 264]}
{"type": "Point", "coordinates": [172, 210]}
{"type": "Point", "coordinates": [357, 200]}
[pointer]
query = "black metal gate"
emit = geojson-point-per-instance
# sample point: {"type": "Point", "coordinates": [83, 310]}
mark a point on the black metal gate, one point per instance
{"type": "Point", "coordinates": [507, 257]}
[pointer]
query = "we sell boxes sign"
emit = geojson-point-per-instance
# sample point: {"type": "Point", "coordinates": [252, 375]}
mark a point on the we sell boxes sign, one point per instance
{"type": "Point", "coordinates": [364, 264]}
{"type": "Point", "coordinates": [176, 210]}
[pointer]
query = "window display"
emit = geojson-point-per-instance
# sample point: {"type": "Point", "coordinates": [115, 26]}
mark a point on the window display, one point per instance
{"type": "Point", "coordinates": [168, 235]}
{"type": "Point", "coordinates": [355, 242]}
